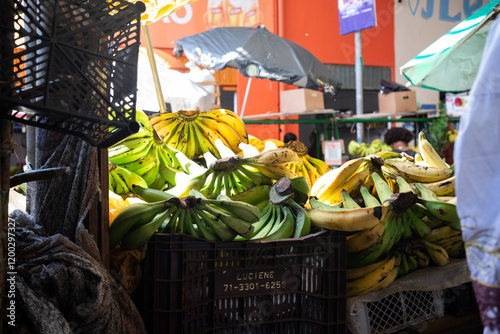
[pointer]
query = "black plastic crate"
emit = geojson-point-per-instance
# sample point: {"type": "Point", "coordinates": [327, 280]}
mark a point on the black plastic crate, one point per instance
{"type": "Point", "coordinates": [460, 300]}
{"type": "Point", "coordinates": [71, 66]}
{"type": "Point", "coordinates": [282, 286]}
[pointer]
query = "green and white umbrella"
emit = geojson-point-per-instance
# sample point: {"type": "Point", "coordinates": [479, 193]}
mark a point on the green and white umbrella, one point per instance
{"type": "Point", "coordinates": [450, 64]}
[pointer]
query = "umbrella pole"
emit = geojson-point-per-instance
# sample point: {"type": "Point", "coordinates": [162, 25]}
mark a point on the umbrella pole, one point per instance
{"type": "Point", "coordinates": [359, 84]}
{"type": "Point", "coordinates": [246, 97]}
{"type": "Point", "coordinates": [152, 63]}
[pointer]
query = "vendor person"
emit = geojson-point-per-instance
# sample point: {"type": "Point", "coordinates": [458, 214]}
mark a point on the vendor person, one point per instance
{"type": "Point", "coordinates": [398, 139]}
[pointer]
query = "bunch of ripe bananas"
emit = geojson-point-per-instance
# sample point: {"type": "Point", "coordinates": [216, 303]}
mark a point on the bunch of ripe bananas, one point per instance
{"type": "Point", "coordinates": [194, 132]}
{"type": "Point", "coordinates": [389, 205]}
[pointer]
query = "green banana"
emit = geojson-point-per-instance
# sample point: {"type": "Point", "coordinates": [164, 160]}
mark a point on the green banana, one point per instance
{"type": "Point", "coordinates": [347, 201]}
{"type": "Point", "coordinates": [242, 210]}
{"type": "Point", "coordinates": [137, 237]}
{"type": "Point", "coordinates": [446, 212]}
{"type": "Point", "coordinates": [302, 220]}
{"type": "Point", "coordinates": [151, 195]}
{"type": "Point", "coordinates": [218, 227]}
{"type": "Point", "coordinates": [403, 185]}
{"type": "Point", "coordinates": [130, 178]}
{"type": "Point", "coordinates": [205, 231]}
{"type": "Point", "coordinates": [283, 229]}
{"type": "Point", "coordinates": [383, 189]}
{"type": "Point", "coordinates": [425, 193]}
{"type": "Point", "coordinates": [133, 216]}
{"type": "Point", "coordinates": [418, 225]}
{"type": "Point", "coordinates": [274, 217]}
{"type": "Point", "coordinates": [239, 225]}
{"type": "Point", "coordinates": [301, 189]}
{"type": "Point", "coordinates": [254, 195]}
{"type": "Point", "coordinates": [368, 198]}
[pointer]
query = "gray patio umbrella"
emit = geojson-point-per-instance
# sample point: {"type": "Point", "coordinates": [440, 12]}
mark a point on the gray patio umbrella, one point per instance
{"type": "Point", "coordinates": [258, 53]}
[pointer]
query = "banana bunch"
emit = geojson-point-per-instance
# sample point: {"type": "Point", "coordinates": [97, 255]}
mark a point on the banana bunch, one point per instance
{"type": "Point", "coordinates": [281, 217]}
{"type": "Point", "coordinates": [194, 132]}
{"type": "Point", "coordinates": [212, 219]}
{"type": "Point", "coordinates": [311, 168]}
{"type": "Point", "coordinates": [363, 149]}
{"type": "Point", "coordinates": [429, 154]}
{"type": "Point", "coordinates": [122, 181]}
{"type": "Point", "coordinates": [235, 174]}
{"type": "Point", "coordinates": [374, 276]}
{"type": "Point", "coordinates": [350, 176]}
{"type": "Point", "coordinates": [144, 154]}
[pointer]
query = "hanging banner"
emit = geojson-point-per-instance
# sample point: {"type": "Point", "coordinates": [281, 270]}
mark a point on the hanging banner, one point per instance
{"type": "Point", "coordinates": [356, 15]}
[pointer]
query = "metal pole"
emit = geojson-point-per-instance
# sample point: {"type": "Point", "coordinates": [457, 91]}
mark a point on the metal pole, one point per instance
{"type": "Point", "coordinates": [359, 84]}
{"type": "Point", "coordinates": [152, 63]}
{"type": "Point", "coordinates": [246, 97]}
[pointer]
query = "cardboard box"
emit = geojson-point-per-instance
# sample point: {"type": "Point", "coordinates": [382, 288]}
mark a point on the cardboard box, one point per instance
{"type": "Point", "coordinates": [301, 100]}
{"type": "Point", "coordinates": [397, 102]}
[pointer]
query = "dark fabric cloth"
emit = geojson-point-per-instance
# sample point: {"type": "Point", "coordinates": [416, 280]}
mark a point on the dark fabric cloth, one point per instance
{"type": "Point", "coordinates": [61, 288]}
{"type": "Point", "coordinates": [488, 301]}
{"type": "Point", "coordinates": [62, 285]}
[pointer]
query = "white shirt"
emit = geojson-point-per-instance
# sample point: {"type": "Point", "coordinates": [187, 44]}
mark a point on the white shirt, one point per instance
{"type": "Point", "coordinates": [477, 167]}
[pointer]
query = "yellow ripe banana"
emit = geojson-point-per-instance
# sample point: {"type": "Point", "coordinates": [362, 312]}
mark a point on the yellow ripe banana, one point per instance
{"type": "Point", "coordinates": [164, 124]}
{"type": "Point", "coordinates": [353, 184]}
{"type": "Point", "coordinates": [437, 253]}
{"type": "Point", "coordinates": [355, 273]}
{"type": "Point", "coordinates": [274, 172]}
{"type": "Point", "coordinates": [418, 173]}
{"type": "Point", "coordinates": [321, 166]}
{"type": "Point", "coordinates": [348, 220]}
{"type": "Point", "coordinates": [277, 157]}
{"type": "Point", "coordinates": [444, 187]}
{"type": "Point", "coordinates": [314, 175]}
{"type": "Point", "coordinates": [216, 129]}
{"type": "Point", "coordinates": [167, 133]}
{"type": "Point", "coordinates": [301, 170]}
{"type": "Point", "coordinates": [336, 178]}
{"type": "Point", "coordinates": [368, 282]}
{"type": "Point", "coordinates": [232, 120]}
{"type": "Point", "coordinates": [133, 150]}
{"type": "Point", "coordinates": [418, 160]}
{"type": "Point", "coordinates": [441, 233]}
{"type": "Point", "coordinates": [429, 154]}
{"type": "Point", "coordinates": [365, 238]}
{"type": "Point", "coordinates": [162, 117]}
{"type": "Point", "coordinates": [389, 278]}
{"type": "Point", "coordinates": [255, 142]}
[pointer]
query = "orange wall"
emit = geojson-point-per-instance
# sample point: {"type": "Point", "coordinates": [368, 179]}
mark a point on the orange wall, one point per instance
{"type": "Point", "coordinates": [313, 25]}
{"type": "Point", "coordinates": [317, 29]}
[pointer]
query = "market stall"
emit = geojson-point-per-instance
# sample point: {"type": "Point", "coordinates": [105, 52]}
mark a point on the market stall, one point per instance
{"type": "Point", "coordinates": [185, 222]}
